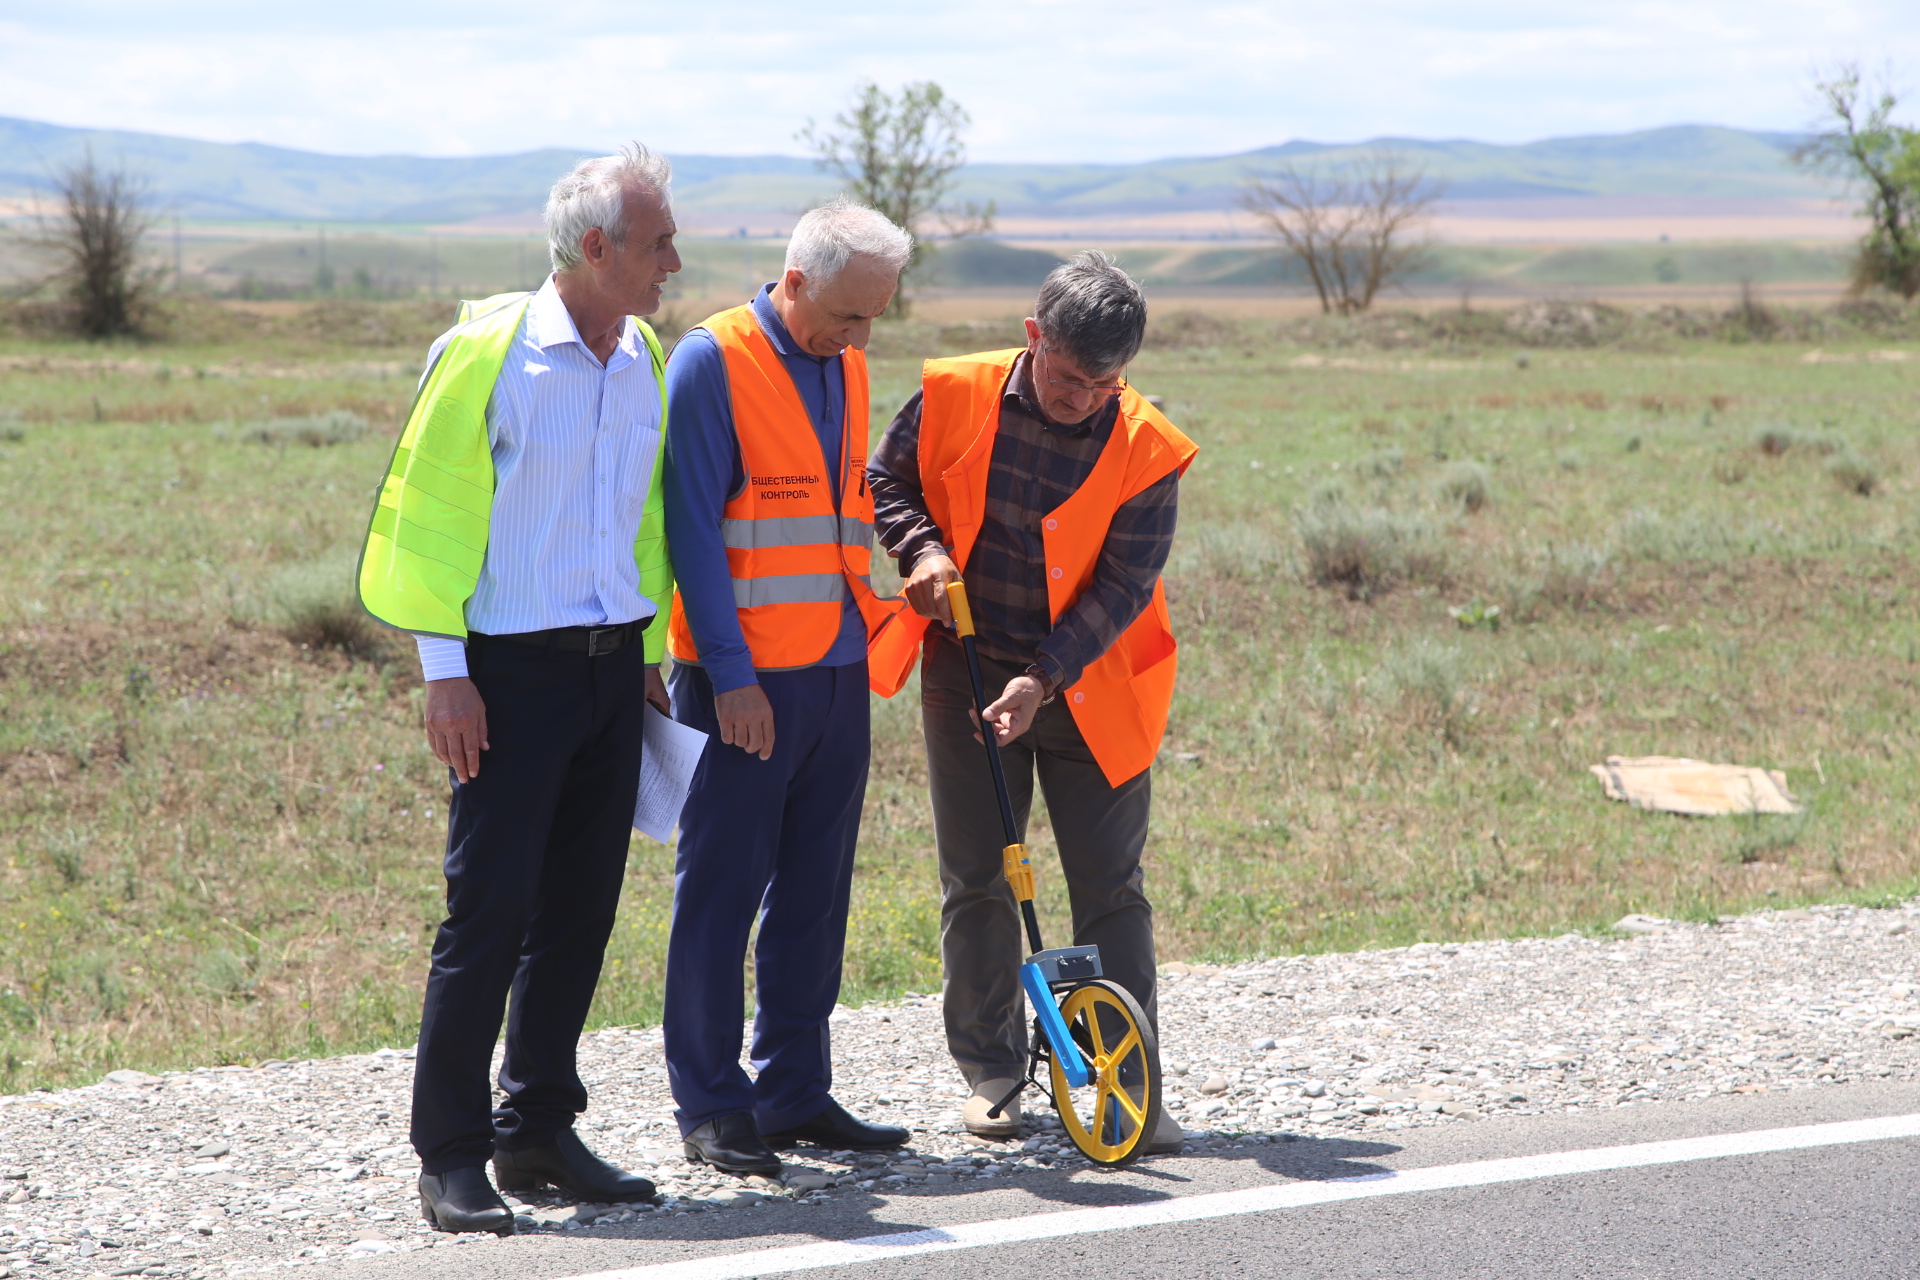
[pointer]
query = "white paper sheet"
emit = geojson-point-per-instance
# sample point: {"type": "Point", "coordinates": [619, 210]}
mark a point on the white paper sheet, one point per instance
{"type": "Point", "coordinates": [666, 771]}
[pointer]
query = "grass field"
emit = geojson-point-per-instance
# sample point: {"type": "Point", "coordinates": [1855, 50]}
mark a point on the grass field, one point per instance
{"type": "Point", "coordinates": [221, 829]}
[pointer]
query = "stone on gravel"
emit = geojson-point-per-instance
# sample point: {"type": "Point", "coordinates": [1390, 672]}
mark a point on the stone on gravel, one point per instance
{"type": "Point", "coordinates": [131, 1077]}
{"type": "Point", "coordinates": [1214, 1084]}
{"type": "Point", "coordinates": [1640, 924]}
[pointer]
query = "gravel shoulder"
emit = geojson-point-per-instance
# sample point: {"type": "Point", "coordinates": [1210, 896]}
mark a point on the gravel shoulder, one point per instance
{"type": "Point", "coordinates": [233, 1170]}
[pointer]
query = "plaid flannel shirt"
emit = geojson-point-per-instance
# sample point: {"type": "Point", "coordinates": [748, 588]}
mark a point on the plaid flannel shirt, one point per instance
{"type": "Point", "coordinates": [1037, 465]}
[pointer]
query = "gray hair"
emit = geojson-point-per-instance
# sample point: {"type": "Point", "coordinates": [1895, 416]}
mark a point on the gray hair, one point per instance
{"type": "Point", "coordinates": [1093, 310]}
{"type": "Point", "coordinates": [827, 238]}
{"type": "Point", "coordinates": [594, 195]}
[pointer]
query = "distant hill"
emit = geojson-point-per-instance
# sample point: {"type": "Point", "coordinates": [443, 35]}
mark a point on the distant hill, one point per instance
{"type": "Point", "coordinates": [252, 181]}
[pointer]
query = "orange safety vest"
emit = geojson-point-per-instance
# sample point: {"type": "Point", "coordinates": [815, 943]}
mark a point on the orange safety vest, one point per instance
{"type": "Point", "coordinates": [794, 547]}
{"type": "Point", "coordinates": [1120, 702]}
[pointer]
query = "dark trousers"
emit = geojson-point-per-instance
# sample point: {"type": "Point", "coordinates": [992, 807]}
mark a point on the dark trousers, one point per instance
{"type": "Point", "coordinates": [1100, 831]}
{"type": "Point", "coordinates": [536, 851]}
{"type": "Point", "coordinates": [771, 839]}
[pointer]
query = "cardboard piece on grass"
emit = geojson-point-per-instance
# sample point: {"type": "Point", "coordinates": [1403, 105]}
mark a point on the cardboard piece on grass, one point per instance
{"type": "Point", "coordinates": [1672, 784]}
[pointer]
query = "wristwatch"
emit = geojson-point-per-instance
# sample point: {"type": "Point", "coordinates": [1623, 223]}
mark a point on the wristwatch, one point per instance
{"type": "Point", "coordinates": [1039, 673]}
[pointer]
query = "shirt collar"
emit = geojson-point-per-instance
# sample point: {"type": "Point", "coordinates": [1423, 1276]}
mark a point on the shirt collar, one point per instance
{"type": "Point", "coordinates": [550, 324]}
{"type": "Point", "coordinates": [776, 329]}
{"type": "Point", "coordinates": [1020, 389]}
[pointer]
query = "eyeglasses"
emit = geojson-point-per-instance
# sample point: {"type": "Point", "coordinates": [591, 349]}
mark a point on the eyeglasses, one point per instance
{"type": "Point", "coordinates": [1113, 388]}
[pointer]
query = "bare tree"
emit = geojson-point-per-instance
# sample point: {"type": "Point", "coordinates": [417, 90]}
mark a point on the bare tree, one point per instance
{"type": "Point", "coordinates": [1861, 146]}
{"type": "Point", "coordinates": [897, 153]}
{"type": "Point", "coordinates": [95, 238]}
{"type": "Point", "coordinates": [1351, 228]}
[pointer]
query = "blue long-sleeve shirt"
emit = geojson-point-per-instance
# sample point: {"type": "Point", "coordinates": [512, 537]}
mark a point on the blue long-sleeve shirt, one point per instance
{"type": "Point", "coordinates": [704, 470]}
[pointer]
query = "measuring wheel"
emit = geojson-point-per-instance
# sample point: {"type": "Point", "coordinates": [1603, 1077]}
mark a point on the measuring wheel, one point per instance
{"type": "Point", "coordinates": [1112, 1118]}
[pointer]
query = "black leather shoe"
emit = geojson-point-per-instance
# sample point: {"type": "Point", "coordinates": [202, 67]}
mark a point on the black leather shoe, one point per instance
{"type": "Point", "coordinates": [567, 1164]}
{"type": "Point", "coordinates": [463, 1200]}
{"type": "Point", "coordinates": [731, 1144]}
{"type": "Point", "coordinates": [835, 1130]}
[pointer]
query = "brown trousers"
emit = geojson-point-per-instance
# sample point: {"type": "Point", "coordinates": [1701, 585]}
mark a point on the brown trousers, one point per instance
{"type": "Point", "coordinates": [1100, 831]}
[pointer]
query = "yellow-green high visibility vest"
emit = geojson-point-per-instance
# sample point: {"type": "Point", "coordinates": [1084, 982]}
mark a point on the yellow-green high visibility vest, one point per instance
{"type": "Point", "coordinates": [428, 536]}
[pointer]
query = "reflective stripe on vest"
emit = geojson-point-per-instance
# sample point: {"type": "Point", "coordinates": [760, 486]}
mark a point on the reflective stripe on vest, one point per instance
{"type": "Point", "coordinates": [794, 547]}
{"type": "Point", "coordinates": [1121, 701]}
{"type": "Point", "coordinates": [797, 531]}
{"type": "Point", "coordinates": [427, 538]}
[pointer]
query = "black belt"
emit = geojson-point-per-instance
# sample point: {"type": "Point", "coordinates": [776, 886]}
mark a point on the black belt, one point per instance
{"type": "Point", "coordinates": [595, 642]}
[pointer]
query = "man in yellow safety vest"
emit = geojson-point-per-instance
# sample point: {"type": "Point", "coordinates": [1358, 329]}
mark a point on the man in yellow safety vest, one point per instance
{"type": "Point", "coordinates": [519, 537]}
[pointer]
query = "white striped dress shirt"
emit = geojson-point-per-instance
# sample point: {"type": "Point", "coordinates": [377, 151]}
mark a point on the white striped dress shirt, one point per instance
{"type": "Point", "coordinates": [573, 448]}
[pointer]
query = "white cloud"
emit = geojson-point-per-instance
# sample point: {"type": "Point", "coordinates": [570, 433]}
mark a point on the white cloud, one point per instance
{"type": "Point", "coordinates": [1054, 79]}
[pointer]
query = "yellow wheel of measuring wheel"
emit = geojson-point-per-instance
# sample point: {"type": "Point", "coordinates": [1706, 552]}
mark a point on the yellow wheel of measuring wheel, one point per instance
{"type": "Point", "coordinates": [1112, 1118]}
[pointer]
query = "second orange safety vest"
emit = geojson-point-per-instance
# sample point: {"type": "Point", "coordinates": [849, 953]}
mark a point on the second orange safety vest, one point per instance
{"type": "Point", "coordinates": [1121, 701]}
{"type": "Point", "coordinates": [794, 546]}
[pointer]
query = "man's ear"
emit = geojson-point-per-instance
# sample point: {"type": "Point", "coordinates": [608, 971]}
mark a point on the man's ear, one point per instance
{"type": "Point", "coordinates": [593, 246]}
{"type": "Point", "coordinates": [1033, 332]}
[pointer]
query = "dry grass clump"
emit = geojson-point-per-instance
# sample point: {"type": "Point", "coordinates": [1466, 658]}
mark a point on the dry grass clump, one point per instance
{"type": "Point", "coordinates": [1466, 484]}
{"type": "Point", "coordinates": [1854, 472]}
{"type": "Point", "coordinates": [1775, 441]}
{"type": "Point", "coordinates": [1428, 681]}
{"type": "Point", "coordinates": [1565, 575]}
{"type": "Point", "coordinates": [314, 603]}
{"type": "Point", "coordinates": [1384, 464]}
{"type": "Point", "coordinates": [1367, 550]}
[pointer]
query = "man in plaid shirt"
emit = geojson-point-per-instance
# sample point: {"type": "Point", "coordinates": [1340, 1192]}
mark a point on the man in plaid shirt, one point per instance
{"type": "Point", "coordinates": [1062, 407]}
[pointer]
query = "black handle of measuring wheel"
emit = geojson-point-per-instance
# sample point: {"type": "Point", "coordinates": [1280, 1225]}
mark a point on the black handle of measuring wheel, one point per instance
{"type": "Point", "coordinates": [963, 623]}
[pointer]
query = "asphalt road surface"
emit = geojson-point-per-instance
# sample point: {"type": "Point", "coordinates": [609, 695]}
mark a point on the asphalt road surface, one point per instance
{"type": "Point", "coordinates": [1849, 1210]}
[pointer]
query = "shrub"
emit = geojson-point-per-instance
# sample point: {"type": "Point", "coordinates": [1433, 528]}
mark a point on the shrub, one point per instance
{"type": "Point", "coordinates": [1558, 323]}
{"type": "Point", "coordinates": [1565, 575]}
{"type": "Point", "coordinates": [316, 432]}
{"type": "Point", "coordinates": [1384, 464]}
{"type": "Point", "coordinates": [1429, 682]}
{"type": "Point", "coordinates": [1468, 485]}
{"type": "Point", "coordinates": [1854, 473]}
{"type": "Point", "coordinates": [1366, 550]}
{"type": "Point", "coordinates": [1238, 550]}
{"type": "Point", "coordinates": [1775, 441]}
{"type": "Point", "coordinates": [1182, 330]}
{"type": "Point", "coordinates": [1573, 574]}
{"type": "Point", "coordinates": [315, 603]}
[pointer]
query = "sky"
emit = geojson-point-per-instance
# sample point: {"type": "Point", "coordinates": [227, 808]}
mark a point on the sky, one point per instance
{"type": "Point", "coordinates": [1044, 80]}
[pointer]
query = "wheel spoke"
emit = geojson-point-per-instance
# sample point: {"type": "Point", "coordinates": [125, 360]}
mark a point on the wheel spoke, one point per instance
{"type": "Point", "coordinates": [1093, 1028]}
{"type": "Point", "coordinates": [1099, 1128]}
{"type": "Point", "coordinates": [1126, 1046]}
{"type": "Point", "coordinates": [1126, 1102]}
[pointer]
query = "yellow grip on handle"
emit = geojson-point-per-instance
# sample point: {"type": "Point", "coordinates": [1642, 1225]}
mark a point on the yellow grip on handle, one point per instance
{"type": "Point", "coordinates": [962, 612]}
{"type": "Point", "coordinates": [1019, 871]}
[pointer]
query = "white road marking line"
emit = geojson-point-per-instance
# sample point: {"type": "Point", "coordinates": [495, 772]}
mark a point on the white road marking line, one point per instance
{"type": "Point", "coordinates": [1290, 1195]}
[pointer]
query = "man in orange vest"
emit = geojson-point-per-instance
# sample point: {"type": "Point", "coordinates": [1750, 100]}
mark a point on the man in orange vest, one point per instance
{"type": "Point", "coordinates": [770, 528]}
{"type": "Point", "coordinates": [1053, 486]}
